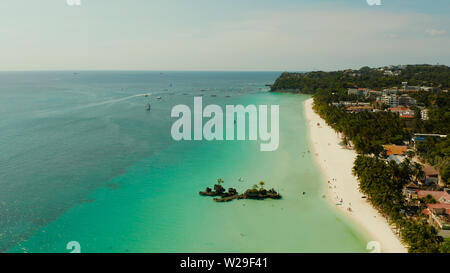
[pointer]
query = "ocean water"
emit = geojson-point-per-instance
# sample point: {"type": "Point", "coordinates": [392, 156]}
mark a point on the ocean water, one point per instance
{"type": "Point", "coordinates": [81, 160]}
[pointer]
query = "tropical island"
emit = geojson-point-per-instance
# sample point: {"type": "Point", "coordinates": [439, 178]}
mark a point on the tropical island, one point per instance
{"type": "Point", "coordinates": [395, 120]}
{"type": "Point", "coordinates": [256, 192]}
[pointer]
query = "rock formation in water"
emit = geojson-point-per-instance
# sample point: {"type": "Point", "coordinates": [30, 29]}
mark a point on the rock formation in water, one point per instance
{"type": "Point", "coordinates": [232, 193]}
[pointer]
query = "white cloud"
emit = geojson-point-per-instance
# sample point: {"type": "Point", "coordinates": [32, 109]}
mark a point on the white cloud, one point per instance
{"type": "Point", "coordinates": [435, 32]}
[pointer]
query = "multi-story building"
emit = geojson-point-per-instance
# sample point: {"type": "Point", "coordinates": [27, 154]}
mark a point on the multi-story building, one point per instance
{"type": "Point", "coordinates": [439, 215]}
{"type": "Point", "coordinates": [424, 114]}
{"type": "Point", "coordinates": [391, 100]}
{"type": "Point", "coordinates": [406, 100]}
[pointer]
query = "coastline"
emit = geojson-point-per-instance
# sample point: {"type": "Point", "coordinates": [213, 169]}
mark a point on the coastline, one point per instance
{"type": "Point", "coordinates": [336, 164]}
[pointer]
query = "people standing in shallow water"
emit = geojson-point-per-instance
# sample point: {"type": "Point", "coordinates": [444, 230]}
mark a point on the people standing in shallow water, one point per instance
{"type": "Point", "coordinates": [257, 192]}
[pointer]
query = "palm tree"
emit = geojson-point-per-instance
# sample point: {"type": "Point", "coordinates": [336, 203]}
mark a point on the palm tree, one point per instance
{"type": "Point", "coordinates": [220, 181]}
{"type": "Point", "coordinates": [261, 183]}
{"type": "Point", "coordinates": [410, 154]}
{"type": "Point", "coordinates": [417, 171]}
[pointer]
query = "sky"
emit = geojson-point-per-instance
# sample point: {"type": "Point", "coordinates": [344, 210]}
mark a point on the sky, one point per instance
{"type": "Point", "coordinates": [266, 35]}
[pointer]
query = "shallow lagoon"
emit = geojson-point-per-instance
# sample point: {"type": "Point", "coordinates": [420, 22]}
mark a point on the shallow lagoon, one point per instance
{"type": "Point", "coordinates": [85, 162]}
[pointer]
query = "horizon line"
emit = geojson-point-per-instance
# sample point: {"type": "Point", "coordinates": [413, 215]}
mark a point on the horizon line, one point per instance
{"type": "Point", "coordinates": [204, 70]}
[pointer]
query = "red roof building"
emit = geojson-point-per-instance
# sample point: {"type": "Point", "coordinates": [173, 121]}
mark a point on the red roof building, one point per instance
{"type": "Point", "coordinates": [440, 196]}
{"type": "Point", "coordinates": [395, 149]}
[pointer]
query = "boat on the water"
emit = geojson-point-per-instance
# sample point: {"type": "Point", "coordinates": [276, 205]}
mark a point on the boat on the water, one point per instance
{"type": "Point", "coordinates": [147, 107]}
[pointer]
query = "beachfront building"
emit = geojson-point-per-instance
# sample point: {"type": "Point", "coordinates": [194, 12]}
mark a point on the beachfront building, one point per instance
{"type": "Point", "coordinates": [355, 109]}
{"type": "Point", "coordinates": [439, 217]}
{"type": "Point", "coordinates": [395, 150]}
{"type": "Point", "coordinates": [431, 175]}
{"type": "Point", "coordinates": [439, 213]}
{"type": "Point", "coordinates": [441, 197]}
{"type": "Point", "coordinates": [396, 158]}
{"type": "Point", "coordinates": [403, 112]}
{"type": "Point", "coordinates": [410, 191]}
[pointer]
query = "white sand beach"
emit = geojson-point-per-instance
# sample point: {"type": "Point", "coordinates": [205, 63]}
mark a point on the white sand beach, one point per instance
{"type": "Point", "coordinates": [336, 163]}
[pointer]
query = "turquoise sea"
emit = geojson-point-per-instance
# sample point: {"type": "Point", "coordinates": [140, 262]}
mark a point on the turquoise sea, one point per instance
{"type": "Point", "coordinates": [81, 160]}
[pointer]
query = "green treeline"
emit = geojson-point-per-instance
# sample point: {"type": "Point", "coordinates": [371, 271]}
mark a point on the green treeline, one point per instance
{"type": "Point", "coordinates": [383, 184]}
{"type": "Point", "coordinates": [415, 75]}
{"type": "Point", "coordinates": [366, 130]}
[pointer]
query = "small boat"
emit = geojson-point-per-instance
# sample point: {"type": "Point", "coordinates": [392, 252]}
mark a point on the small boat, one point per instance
{"type": "Point", "coordinates": [241, 179]}
{"type": "Point", "coordinates": [147, 107]}
{"type": "Point", "coordinates": [158, 98]}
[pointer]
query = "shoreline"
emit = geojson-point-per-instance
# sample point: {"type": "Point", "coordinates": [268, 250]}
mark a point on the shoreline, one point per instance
{"type": "Point", "coordinates": [336, 165]}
